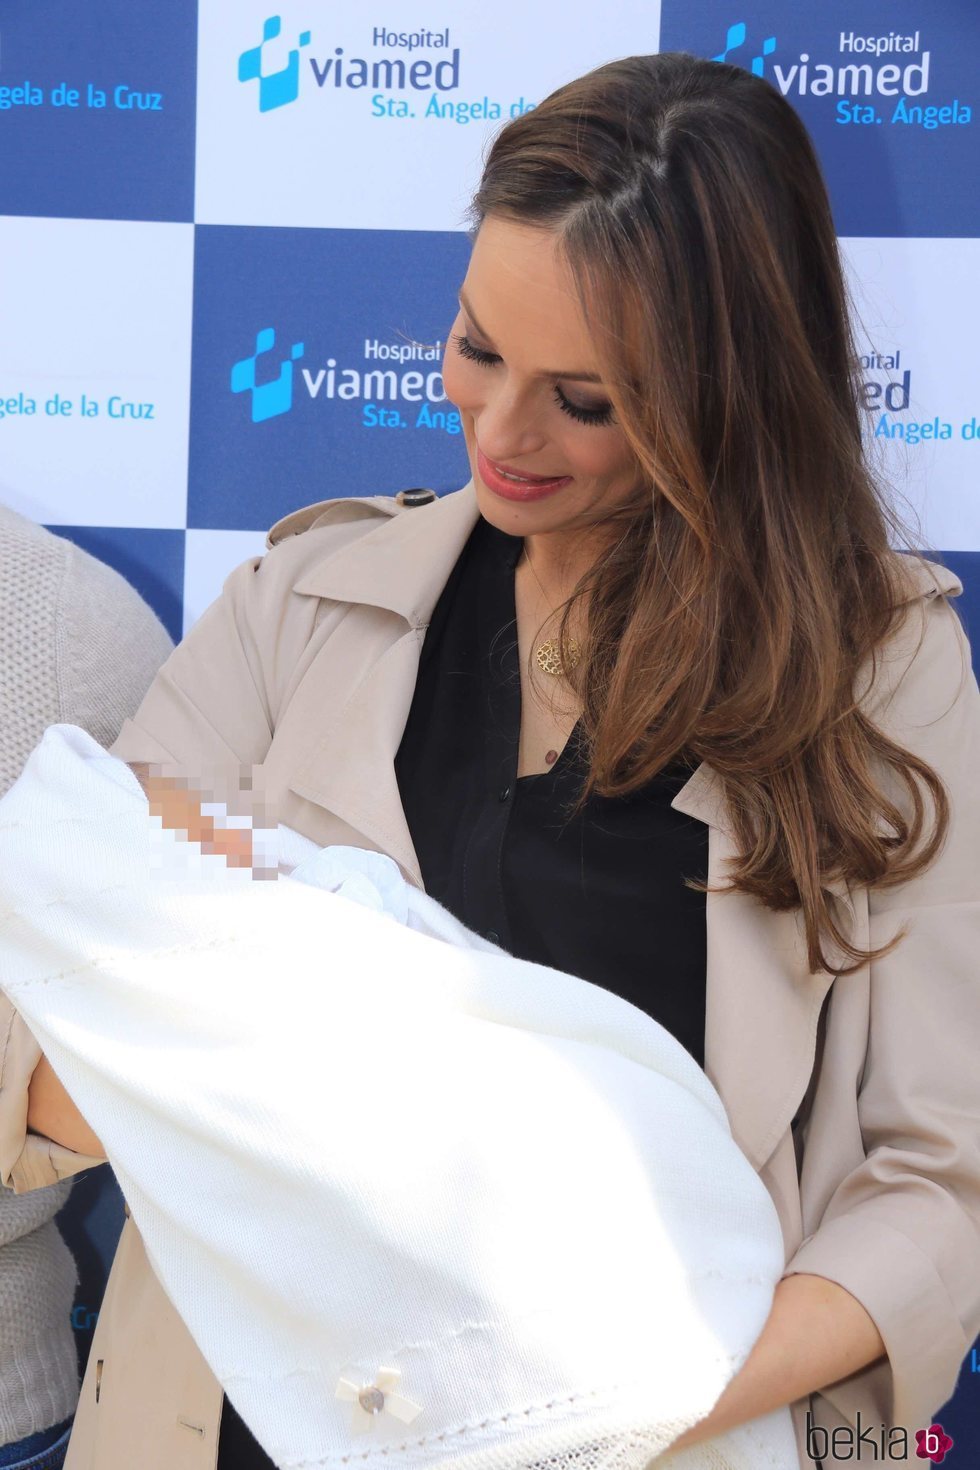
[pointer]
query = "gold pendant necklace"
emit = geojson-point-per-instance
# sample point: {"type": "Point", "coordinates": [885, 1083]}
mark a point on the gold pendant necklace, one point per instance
{"type": "Point", "coordinates": [548, 654]}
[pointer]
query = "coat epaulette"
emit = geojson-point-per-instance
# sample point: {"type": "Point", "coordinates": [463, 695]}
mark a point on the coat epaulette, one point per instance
{"type": "Point", "coordinates": [346, 508]}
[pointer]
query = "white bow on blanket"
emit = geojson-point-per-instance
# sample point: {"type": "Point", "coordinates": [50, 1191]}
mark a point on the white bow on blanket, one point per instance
{"type": "Point", "coordinates": [418, 1202]}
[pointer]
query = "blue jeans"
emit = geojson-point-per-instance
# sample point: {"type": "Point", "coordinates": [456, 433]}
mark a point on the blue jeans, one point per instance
{"type": "Point", "coordinates": [45, 1450]}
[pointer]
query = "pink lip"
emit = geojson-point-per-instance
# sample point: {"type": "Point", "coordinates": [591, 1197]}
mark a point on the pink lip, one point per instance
{"type": "Point", "coordinates": [535, 487]}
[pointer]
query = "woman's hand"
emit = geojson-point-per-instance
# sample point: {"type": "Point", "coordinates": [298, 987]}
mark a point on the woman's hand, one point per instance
{"type": "Point", "coordinates": [51, 1112]}
{"type": "Point", "coordinates": [816, 1333]}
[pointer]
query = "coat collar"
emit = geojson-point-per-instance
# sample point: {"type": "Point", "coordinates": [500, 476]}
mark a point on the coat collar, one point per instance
{"type": "Point", "coordinates": [404, 564]}
{"type": "Point", "coordinates": [762, 1002]}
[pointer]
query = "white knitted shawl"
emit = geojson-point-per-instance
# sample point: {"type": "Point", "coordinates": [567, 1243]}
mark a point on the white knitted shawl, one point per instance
{"type": "Point", "coordinates": [419, 1203]}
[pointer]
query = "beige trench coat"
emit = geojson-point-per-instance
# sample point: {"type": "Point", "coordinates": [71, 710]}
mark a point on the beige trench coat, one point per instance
{"type": "Point", "coordinates": [857, 1102]}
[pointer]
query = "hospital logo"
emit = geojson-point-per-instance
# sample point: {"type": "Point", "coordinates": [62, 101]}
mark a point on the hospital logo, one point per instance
{"type": "Point", "coordinates": [876, 79]}
{"type": "Point", "coordinates": [389, 76]}
{"type": "Point", "coordinates": [735, 40]}
{"type": "Point", "coordinates": [275, 396]}
{"type": "Point", "coordinates": [276, 88]}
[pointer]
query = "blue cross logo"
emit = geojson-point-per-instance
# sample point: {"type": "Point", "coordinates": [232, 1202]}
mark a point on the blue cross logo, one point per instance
{"type": "Point", "coordinates": [272, 398]}
{"type": "Point", "coordinates": [736, 38]}
{"type": "Point", "coordinates": [278, 87]}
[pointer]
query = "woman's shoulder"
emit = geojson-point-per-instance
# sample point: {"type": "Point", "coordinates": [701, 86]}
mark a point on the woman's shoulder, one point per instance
{"type": "Point", "coordinates": [383, 550]}
{"type": "Point", "coordinates": [348, 517]}
{"type": "Point", "coordinates": [304, 540]}
{"type": "Point", "coordinates": [918, 577]}
{"type": "Point", "coordinates": [923, 666]}
{"type": "Point", "coordinates": [363, 511]}
{"type": "Point", "coordinates": [308, 536]}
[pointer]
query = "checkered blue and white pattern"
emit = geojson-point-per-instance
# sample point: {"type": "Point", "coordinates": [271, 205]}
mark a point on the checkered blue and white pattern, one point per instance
{"type": "Point", "coordinates": [231, 237]}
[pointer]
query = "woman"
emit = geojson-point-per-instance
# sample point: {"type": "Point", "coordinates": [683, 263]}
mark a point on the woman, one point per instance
{"type": "Point", "coordinates": [667, 589]}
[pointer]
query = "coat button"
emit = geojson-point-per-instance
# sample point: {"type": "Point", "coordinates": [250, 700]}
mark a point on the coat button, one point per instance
{"type": "Point", "coordinates": [493, 936]}
{"type": "Point", "coordinates": [504, 794]}
{"type": "Point", "coordinates": [409, 498]}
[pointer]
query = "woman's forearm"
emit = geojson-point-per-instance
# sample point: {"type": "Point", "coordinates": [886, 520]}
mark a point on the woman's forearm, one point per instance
{"type": "Point", "coordinates": [51, 1111]}
{"type": "Point", "coordinates": [816, 1334]}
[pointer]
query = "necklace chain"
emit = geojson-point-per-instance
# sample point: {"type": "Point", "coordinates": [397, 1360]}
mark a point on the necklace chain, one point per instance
{"type": "Point", "coordinates": [548, 654]}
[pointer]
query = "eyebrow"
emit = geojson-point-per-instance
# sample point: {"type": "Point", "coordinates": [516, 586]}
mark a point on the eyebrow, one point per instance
{"type": "Point", "coordinates": [545, 372]}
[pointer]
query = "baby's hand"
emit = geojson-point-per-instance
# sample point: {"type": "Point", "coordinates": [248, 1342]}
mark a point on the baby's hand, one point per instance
{"type": "Point", "coordinates": [179, 809]}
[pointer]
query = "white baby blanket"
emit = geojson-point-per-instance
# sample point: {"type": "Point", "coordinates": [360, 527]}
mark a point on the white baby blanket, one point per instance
{"type": "Point", "coordinates": [418, 1202]}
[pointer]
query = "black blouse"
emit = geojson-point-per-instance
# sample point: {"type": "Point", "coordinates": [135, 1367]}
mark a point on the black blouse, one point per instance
{"type": "Point", "coordinates": [599, 895]}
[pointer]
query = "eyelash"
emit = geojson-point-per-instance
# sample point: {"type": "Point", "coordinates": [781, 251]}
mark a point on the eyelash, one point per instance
{"type": "Point", "coordinates": [595, 416]}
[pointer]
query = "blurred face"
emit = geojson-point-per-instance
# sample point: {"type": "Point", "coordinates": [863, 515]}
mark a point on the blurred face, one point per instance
{"type": "Point", "coordinates": [546, 453]}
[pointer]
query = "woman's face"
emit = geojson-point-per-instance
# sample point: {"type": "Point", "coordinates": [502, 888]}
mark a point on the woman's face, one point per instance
{"type": "Point", "coordinates": [520, 367]}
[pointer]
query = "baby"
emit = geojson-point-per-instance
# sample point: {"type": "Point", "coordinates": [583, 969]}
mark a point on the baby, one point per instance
{"type": "Point", "coordinates": [402, 1187]}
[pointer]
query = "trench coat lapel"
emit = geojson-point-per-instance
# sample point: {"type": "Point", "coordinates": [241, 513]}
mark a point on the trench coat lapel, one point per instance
{"type": "Point", "coordinates": [350, 769]}
{"type": "Point", "coordinates": [762, 1004]}
{"type": "Point", "coordinates": [351, 773]}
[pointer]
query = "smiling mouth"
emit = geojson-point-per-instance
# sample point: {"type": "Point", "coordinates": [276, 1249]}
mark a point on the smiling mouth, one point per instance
{"type": "Point", "coordinates": [521, 479]}
{"type": "Point", "coordinates": [505, 482]}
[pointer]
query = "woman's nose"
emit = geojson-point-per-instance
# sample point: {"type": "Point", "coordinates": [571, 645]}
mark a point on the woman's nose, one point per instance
{"type": "Point", "coordinates": [507, 428]}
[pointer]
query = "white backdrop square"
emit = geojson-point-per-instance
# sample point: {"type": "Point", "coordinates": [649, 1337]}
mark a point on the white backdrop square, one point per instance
{"type": "Point", "coordinates": [917, 317]}
{"type": "Point", "coordinates": [95, 370]}
{"type": "Point", "coordinates": [208, 558]}
{"type": "Point", "coordinates": [362, 129]}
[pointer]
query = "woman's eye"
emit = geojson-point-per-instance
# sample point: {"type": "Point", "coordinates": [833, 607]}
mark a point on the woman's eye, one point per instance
{"type": "Point", "coordinates": [599, 415]}
{"type": "Point", "coordinates": [465, 348]}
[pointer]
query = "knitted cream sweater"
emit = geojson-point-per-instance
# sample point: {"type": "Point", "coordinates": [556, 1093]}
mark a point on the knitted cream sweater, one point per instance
{"type": "Point", "coordinates": [77, 644]}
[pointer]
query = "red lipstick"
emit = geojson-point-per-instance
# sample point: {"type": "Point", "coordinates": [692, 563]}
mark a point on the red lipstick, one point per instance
{"type": "Point", "coordinates": [496, 477]}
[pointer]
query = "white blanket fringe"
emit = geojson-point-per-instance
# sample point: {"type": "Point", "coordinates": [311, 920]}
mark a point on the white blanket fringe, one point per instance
{"type": "Point", "coordinates": [419, 1203]}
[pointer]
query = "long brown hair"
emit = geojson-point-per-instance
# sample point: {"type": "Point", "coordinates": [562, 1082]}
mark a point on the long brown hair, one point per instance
{"type": "Point", "coordinates": [750, 576]}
